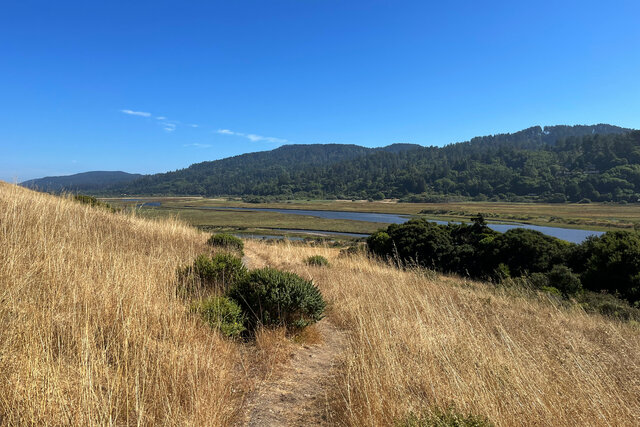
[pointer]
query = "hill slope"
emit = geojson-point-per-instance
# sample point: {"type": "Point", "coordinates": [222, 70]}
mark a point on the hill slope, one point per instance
{"type": "Point", "coordinates": [416, 341]}
{"type": "Point", "coordinates": [554, 163]}
{"type": "Point", "coordinates": [92, 332]}
{"type": "Point", "coordinates": [86, 181]}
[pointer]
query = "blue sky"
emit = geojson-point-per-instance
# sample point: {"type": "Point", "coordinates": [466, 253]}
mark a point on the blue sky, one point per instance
{"type": "Point", "coordinates": [155, 86]}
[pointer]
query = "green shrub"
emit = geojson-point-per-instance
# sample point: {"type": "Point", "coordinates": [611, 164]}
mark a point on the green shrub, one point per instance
{"type": "Point", "coordinates": [539, 280]}
{"type": "Point", "coordinates": [218, 272]}
{"type": "Point", "coordinates": [221, 313]}
{"type": "Point", "coordinates": [502, 272]}
{"type": "Point", "coordinates": [527, 251]}
{"type": "Point", "coordinates": [448, 417]}
{"type": "Point", "coordinates": [226, 241]}
{"type": "Point", "coordinates": [93, 202]}
{"type": "Point", "coordinates": [562, 278]}
{"type": "Point", "coordinates": [608, 305]}
{"type": "Point", "coordinates": [611, 263]}
{"type": "Point", "coordinates": [380, 243]}
{"type": "Point", "coordinates": [317, 261]}
{"type": "Point", "coordinates": [273, 297]}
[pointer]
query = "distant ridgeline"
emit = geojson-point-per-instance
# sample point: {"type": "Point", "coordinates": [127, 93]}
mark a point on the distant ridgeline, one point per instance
{"type": "Point", "coordinates": [554, 164]}
{"type": "Point", "coordinates": [87, 181]}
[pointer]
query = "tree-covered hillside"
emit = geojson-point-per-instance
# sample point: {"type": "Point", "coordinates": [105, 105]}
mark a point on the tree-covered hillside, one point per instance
{"type": "Point", "coordinates": [555, 163]}
{"type": "Point", "coordinates": [261, 173]}
{"type": "Point", "coordinates": [86, 181]}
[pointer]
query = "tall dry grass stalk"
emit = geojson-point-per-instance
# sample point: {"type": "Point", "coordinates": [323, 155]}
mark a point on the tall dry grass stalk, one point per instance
{"type": "Point", "coordinates": [417, 340]}
{"type": "Point", "coordinates": [90, 329]}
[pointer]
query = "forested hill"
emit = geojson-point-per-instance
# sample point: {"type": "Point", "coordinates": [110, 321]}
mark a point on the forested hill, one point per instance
{"type": "Point", "coordinates": [261, 173]}
{"type": "Point", "coordinates": [86, 181]}
{"type": "Point", "coordinates": [554, 163]}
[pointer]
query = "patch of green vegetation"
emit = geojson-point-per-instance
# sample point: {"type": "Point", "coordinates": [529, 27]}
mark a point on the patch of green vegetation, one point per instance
{"type": "Point", "coordinates": [227, 241]}
{"type": "Point", "coordinates": [221, 313]}
{"type": "Point", "coordinates": [272, 297]}
{"type": "Point", "coordinates": [447, 417]}
{"type": "Point", "coordinates": [317, 261]}
{"type": "Point", "coordinates": [609, 263]}
{"type": "Point", "coordinates": [93, 202]}
{"type": "Point", "coordinates": [207, 274]}
{"type": "Point", "coordinates": [608, 305]}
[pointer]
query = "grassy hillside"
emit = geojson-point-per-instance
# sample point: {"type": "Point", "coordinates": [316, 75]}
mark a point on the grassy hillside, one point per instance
{"type": "Point", "coordinates": [91, 332]}
{"type": "Point", "coordinates": [415, 340]}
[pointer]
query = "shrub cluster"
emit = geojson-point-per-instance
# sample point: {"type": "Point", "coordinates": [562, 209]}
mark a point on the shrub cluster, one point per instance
{"type": "Point", "coordinates": [227, 241]}
{"type": "Point", "coordinates": [92, 201]}
{"type": "Point", "coordinates": [221, 313]}
{"type": "Point", "coordinates": [218, 272]}
{"type": "Point", "coordinates": [245, 299]}
{"type": "Point", "coordinates": [272, 297]}
{"type": "Point", "coordinates": [317, 261]}
{"type": "Point", "coordinates": [608, 263]}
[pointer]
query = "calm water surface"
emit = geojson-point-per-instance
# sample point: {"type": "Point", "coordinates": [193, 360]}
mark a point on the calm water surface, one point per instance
{"type": "Point", "coordinates": [568, 234]}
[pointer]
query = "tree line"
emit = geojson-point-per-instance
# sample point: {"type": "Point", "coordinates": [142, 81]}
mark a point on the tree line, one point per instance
{"type": "Point", "coordinates": [553, 164]}
{"type": "Point", "coordinates": [609, 263]}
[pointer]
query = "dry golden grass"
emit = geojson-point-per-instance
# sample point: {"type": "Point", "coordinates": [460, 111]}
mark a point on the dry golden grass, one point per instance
{"type": "Point", "coordinates": [90, 329]}
{"type": "Point", "coordinates": [91, 332]}
{"type": "Point", "coordinates": [417, 340]}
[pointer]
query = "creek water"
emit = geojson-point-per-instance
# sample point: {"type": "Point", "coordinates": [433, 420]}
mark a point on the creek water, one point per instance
{"type": "Point", "coordinates": [569, 234]}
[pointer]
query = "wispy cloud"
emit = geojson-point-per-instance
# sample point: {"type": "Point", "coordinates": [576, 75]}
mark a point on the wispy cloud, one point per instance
{"type": "Point", "coordinates": [256, 138]}
{"type": "Point", "coordinates": [197, 145]}
{"type": "Point", "coordinates": [171, 126]}
{"type": "Point", "coordinates": [252, 136]}
{"type": "Point", "coordinates": [136, 113]}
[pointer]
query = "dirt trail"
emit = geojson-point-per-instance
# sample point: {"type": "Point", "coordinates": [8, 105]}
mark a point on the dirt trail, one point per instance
{"type": "Point", "coordinates": [298, 394]}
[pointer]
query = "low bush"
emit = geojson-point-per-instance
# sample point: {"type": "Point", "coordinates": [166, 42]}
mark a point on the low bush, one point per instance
{"type": "Point", "coordinates": [221, 313]}
{"type": "Point", "coordinates": [448, 417]}
{"type": "Point", "coordinates": [226, 241]}
{"type": "Point", "coordinates": [219, 272]}
{"type": "Point", "coordinates": [611, 262]}
{"type": "Point", "coordinates": [276, 298]}
{"type": "Point", "coordinates": [317, 261]}
{"type": "Point", "coordinates": [92, 201]}
{"type": "Point", "coordinates": [562, 278]}
{"type": "Point", "coordinates": [538, 280]}
{"type": "Point", "coordinates": [608, 305]}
